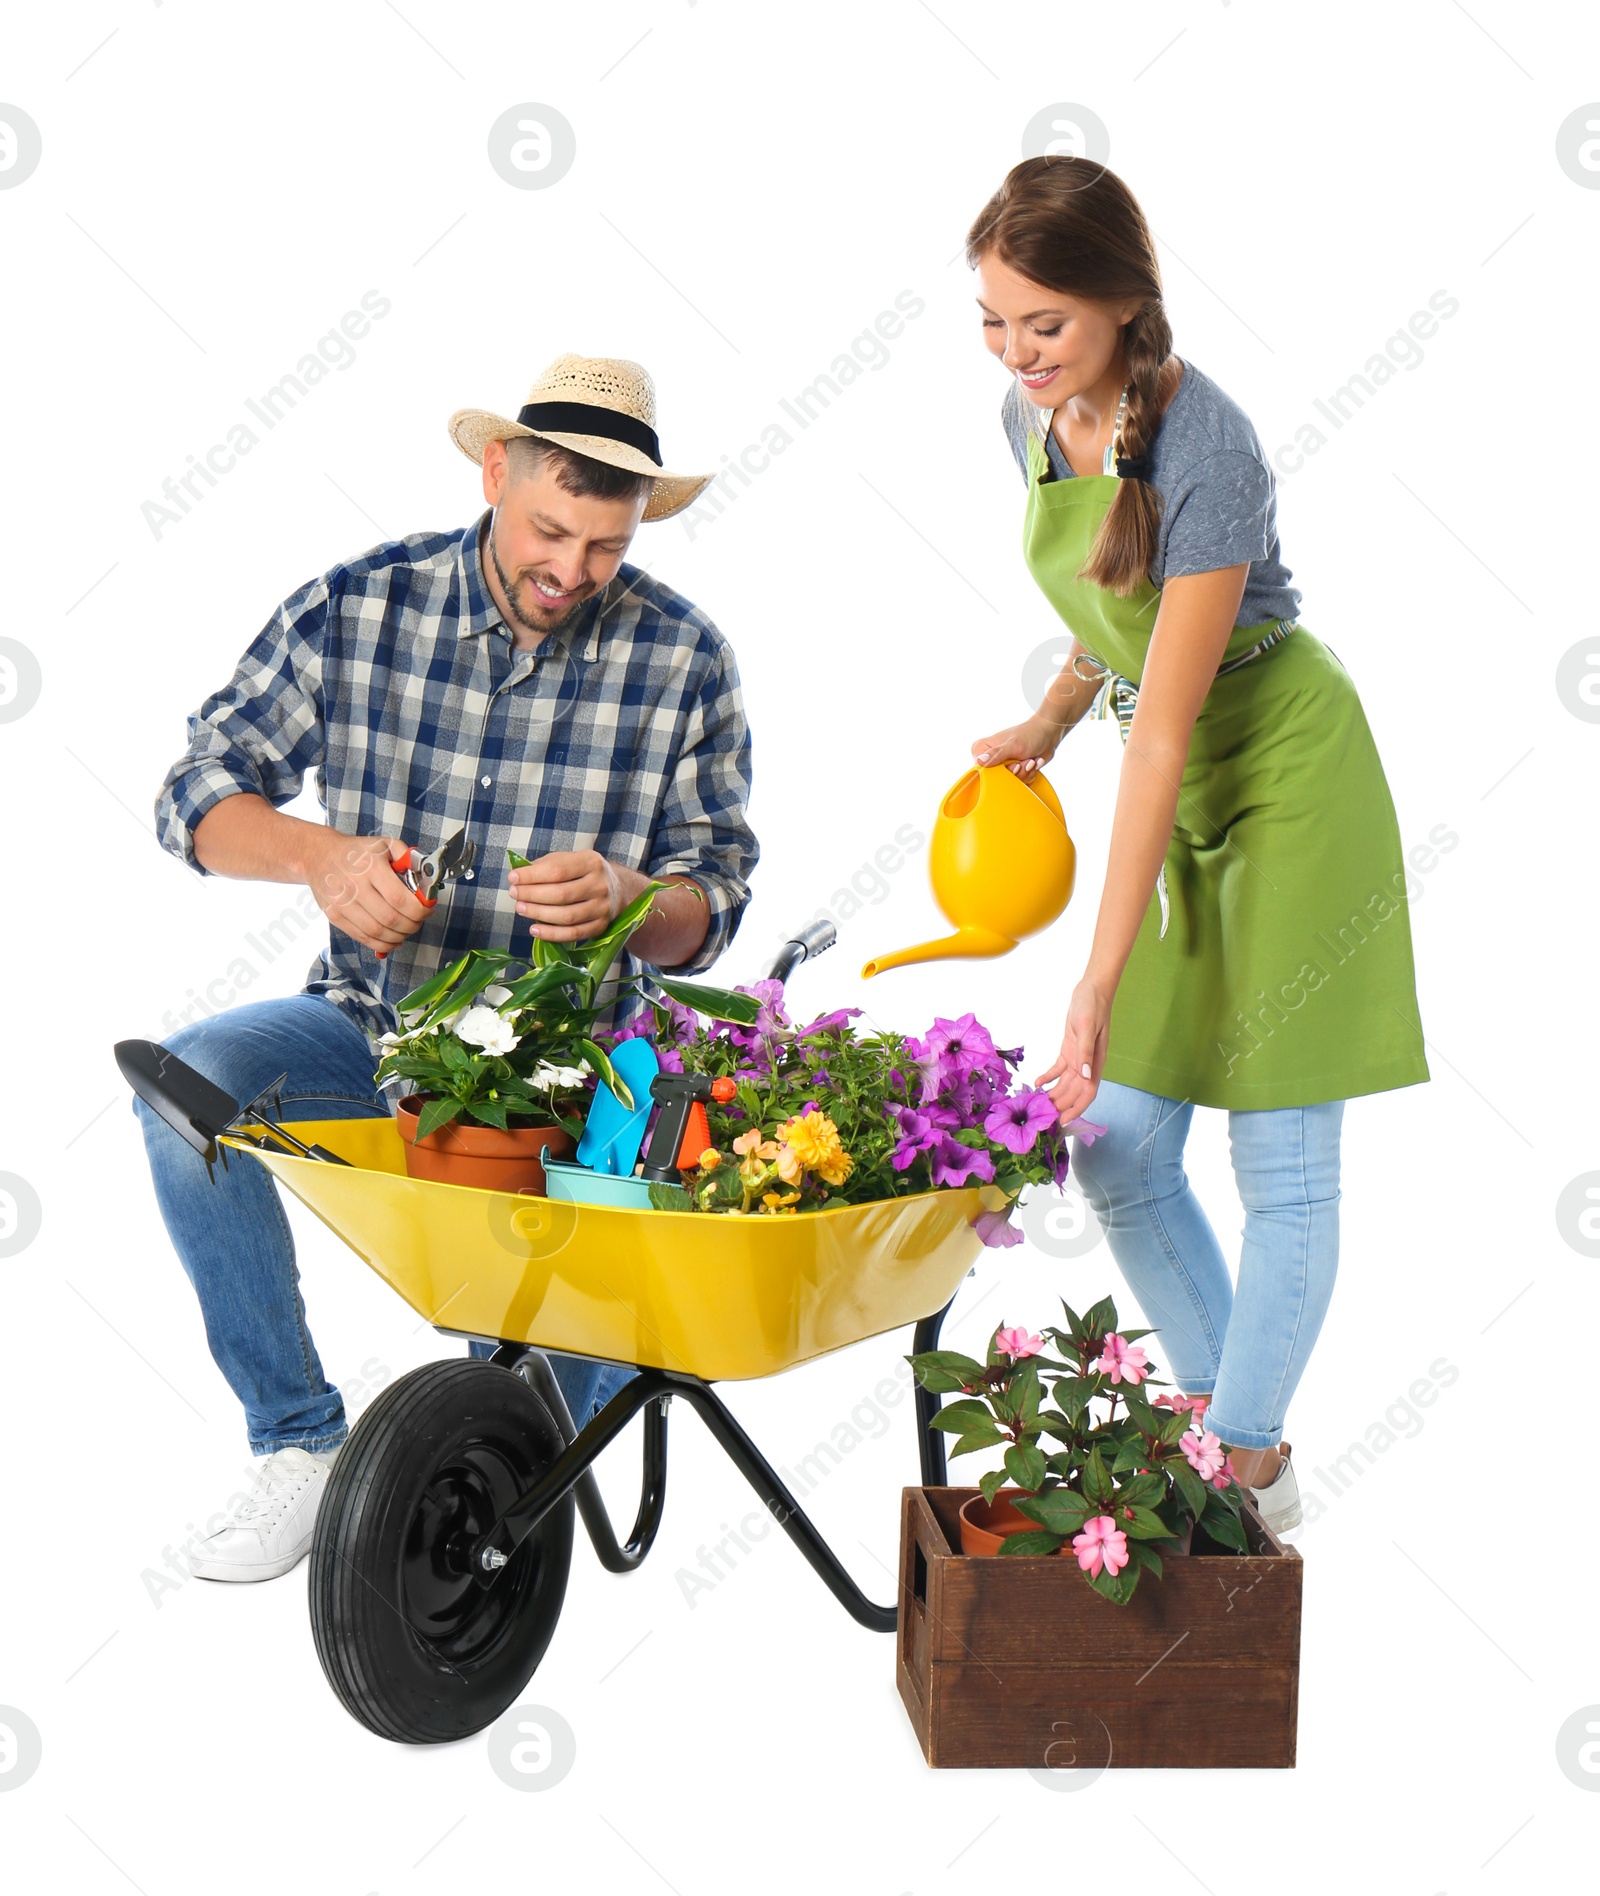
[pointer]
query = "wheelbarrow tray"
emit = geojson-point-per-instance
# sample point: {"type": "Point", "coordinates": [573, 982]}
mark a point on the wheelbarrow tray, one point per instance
{"type": "Point", "coordinates": [717, 1297]}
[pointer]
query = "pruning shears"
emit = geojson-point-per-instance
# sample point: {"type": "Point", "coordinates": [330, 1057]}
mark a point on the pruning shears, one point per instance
{"type": "Point", "coordinates": [422, 875]}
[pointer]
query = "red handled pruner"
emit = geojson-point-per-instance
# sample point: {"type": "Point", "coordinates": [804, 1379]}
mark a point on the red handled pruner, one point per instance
{"type": "Point", "coordinates": [422, 875]}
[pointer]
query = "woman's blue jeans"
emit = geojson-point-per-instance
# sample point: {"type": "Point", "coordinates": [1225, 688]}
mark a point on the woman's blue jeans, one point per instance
{"type": "Point", "coordinates": [233, 1239]}
{"type": "Point", "coordinates": [1247, 1348]}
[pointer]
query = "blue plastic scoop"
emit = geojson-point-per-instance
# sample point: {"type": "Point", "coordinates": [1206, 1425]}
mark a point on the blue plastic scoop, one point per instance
{"type": "Point", "coordinates": [612, 1134]}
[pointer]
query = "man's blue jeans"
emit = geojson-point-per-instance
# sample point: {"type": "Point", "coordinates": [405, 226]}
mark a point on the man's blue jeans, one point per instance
{"type": "Point", "coordinates": [1246, 1349]}
{"type": "Point", "coordinates": [233, 1239]}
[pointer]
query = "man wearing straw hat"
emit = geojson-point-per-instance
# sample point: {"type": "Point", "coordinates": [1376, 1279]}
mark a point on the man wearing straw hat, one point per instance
{"type": "Point", "coordinates": [515, 677]}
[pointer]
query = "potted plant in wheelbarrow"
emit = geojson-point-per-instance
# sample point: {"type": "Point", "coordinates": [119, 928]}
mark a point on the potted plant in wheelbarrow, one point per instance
{"type": "Point", "coordinates": [501, 1056]}
{"type": "Point", "coordinates": [1105, 1597]}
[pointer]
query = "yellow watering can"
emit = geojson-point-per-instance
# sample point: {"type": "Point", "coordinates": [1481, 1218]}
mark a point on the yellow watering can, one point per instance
{"type": "Point", "coordinates": [1001, 863]}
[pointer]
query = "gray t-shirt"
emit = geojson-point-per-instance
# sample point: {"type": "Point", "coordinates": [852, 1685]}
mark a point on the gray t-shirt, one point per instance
{"type": "Point", "coordinates": [1218, 496]}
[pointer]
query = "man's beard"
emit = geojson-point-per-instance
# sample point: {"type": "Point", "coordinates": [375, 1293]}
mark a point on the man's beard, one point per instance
{"type": "Point", "coordinates": [544, 623]}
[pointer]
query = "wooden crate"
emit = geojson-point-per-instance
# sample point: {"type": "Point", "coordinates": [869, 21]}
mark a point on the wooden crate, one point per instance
{"type": "Point", "coordinates": [1020, 1662]}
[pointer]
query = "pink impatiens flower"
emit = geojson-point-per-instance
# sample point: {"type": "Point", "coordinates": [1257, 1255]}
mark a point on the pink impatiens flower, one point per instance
{"type": "Point", "coordinates": [1017, 1344]}
{"type": "Point", "coordinates": [1184, 1405]}
{"type": "Point", "coordinates": [1101, 1544]}
{"type": "Point", "coordinates": [1224, 1477]}
{"type": "Point", "coordinates": [1121, 1363]}
{"type": "Point", "coordinates": [1204, 1453]}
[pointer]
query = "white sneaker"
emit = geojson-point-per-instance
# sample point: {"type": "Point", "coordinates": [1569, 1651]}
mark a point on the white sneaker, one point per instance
{"type": "Point", "coordinates": [272, 1530]}
{"type": "Point", "coordinates": [1278, 1503]}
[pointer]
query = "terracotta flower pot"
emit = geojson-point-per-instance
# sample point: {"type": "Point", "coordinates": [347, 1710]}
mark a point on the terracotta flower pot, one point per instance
{"type": "Point", "coordinates": [464, 1153]}
{"type": "Point", "coordinates": [985, 1524]}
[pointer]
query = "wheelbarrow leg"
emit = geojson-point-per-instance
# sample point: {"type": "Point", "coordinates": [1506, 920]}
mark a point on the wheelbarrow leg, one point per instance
{"type": "Point", "coordinates": [930, 1441]}
{"type": "Point", "coordinates": [534, 1365]}
{"type": "Point", "coordinates": [782, 1506]}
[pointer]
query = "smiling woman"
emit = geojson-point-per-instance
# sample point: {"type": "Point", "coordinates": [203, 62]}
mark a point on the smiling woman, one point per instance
{"type": "Point", "coordinates": [1252, 810]}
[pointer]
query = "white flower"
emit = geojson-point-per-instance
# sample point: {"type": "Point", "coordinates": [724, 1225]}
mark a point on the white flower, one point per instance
{"type": "Point", "coordinates": [483, 1027]}
{"type": "Point", "coordinates": [545, 1074]}
{"type": "Point", "coordinates": [494, 994]}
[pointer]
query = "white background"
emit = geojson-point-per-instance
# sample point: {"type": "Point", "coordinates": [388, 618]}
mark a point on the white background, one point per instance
{"type": "Point", "coordinates": [752, 186]}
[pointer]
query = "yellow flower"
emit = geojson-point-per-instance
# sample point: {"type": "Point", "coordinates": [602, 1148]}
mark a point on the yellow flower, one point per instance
{"type": "Point", "coordinates": [789, 1167]}
{"type": "Point", "coordinates": [780, 1204]}
{"type": "Point", "coordinates": [710, 1159]}
{"type": "Point", "coordinates": [814, 1141]}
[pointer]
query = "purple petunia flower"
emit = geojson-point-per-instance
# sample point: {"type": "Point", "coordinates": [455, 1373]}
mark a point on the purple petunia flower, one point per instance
{"type": "Point", "coordinates": [770, 1017]}
{"type": "Point", "coordinates": [917, 1134]}
{"type": "Point", "coordinates": [1016, 1123]}
{"type": "Point", "coordinates": [925, 1064]}
{"type": "Point", "coordinates": [956, 1164]}
{"type": "Point", "coordinates": [962, 1047]}
{"type": "Point", "coordinates": [996, 1228]}
{"type": "Point", "coordinates": [970, 1097]}
{"type": "Point", "coordinates": [826, 1023]}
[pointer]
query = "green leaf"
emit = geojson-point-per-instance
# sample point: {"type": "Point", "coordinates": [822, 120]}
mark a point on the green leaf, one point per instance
{"type": "Point", "coordinates": [423, 997]}
{"type": "Point", "coordinates": [716, 1003]}
{"type": "Point", "coordinates": [454, 1055]}
{"type": "Point", "coordinates": [606, 1072]}
{"type": "Point", "coordinates": [1144, 1491]}
{"type": "Point", "coordinates": [1025, 1466]}
{"type": "Point", "coordinates": [516, 860]}
{"type": "Point", "coordinates": [991, 1481]}
{"type": "Point", "coordinates": [533, 987]}
{"type": "Point", "coordinates": [957, 1417]}
{"type": "Point", "coordinates": [1145, 1525]}
{"type": "Point", "coordinates": [1194, 1491]}
{"type": "Point", "coordinates": [945, 1370]}
{"type": "Point", "coordinates": [1146, 1556]}
{"type": "Point", "coordinates": [1100, 1319]}
{"type": "Point", "coordinates": [1223, 1525]}
{"type": "Point", "coordinates": [436, 1113]}
{"type": "Point", "coordinates": [975, 1439]}
{"type": "Point", "coordinates": [1174, 1426]}
{"type": "Point", "coordinates": [601, 950]}
{"type": "Point", "coordinates": [670, 1198]}
{"type": "Point", "coordinates": [1097, 1483]}
{"type": "Point", "coordinates": [1061, 1510]}
{"type": "Point", "coordinates": [488, 1112]}
{"type": "Point", "coordinates": [1118, 1587]}
{"type": "Point", "coordinates": [1031, 1541]}
{"type": "Point", "coordinates": [484, 971]}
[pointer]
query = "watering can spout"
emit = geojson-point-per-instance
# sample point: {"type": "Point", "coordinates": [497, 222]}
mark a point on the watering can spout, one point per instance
{"type": "Point", "coordinates": [972, 944]}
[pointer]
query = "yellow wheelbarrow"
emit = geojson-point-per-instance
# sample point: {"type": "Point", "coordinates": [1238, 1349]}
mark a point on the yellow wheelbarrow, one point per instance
{"type": "Point", "coordinates": [444, 1536]}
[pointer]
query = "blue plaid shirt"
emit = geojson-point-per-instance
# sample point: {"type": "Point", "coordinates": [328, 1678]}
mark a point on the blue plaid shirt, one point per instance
{"type": "Point", "coordinates": [392, 678]}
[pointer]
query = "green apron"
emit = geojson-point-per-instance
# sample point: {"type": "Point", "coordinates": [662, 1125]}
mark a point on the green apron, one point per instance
{"type": "Point", "coordinates": [1284, 977]}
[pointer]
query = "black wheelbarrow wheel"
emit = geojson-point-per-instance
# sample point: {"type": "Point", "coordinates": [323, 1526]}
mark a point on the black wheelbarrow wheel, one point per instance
{"type": "Point", "coordinates": [417, 1644]}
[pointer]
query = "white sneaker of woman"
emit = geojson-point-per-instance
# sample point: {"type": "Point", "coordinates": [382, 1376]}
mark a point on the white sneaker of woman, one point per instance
{"type": "Point", "coordinates": [1278, 1503]}
{"type": "Point", "coordinates": [272, 1531]}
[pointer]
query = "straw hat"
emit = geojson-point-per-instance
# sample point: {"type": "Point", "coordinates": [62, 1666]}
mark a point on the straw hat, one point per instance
{"type": "Point", "coordinates": [595, 405]}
